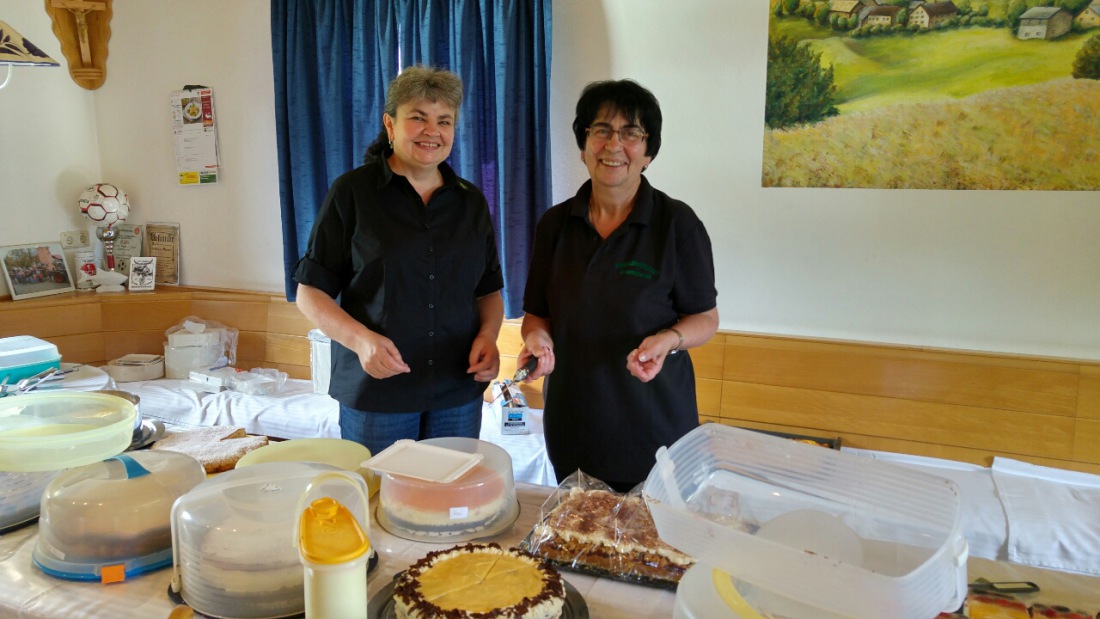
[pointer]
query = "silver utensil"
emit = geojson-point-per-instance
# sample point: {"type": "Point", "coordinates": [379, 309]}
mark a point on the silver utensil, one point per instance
{"type": "Point", "coordinates": [29, 383]}
{"type": "Point", "coordinates": [519, 376]}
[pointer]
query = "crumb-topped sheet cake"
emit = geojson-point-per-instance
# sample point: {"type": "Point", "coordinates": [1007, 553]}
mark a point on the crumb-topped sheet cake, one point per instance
{"type": "Point", "coordinates": [586, 527]}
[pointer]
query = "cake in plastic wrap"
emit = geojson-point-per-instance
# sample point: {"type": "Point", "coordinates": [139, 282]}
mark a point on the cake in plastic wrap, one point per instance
{"type": "Point", "coordinates": [586, 527]}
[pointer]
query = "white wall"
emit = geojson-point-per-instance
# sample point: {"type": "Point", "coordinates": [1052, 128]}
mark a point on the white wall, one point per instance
{"type": "Point", "coordinates": [48, 141]}
{"type": "Point", "coordinates": [997, 271]}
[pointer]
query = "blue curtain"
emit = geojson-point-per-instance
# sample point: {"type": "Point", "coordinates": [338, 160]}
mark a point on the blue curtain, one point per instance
{"type": "Point", "coordinates": [332, 62]}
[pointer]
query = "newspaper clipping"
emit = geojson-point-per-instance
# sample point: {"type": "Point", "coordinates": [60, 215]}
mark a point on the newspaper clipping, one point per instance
{"type": "Point", "coordinates": [164, 245]}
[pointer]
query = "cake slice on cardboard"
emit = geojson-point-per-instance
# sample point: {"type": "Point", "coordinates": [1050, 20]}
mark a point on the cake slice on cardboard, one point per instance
{"type": "Point", "coordinates": [218, 448]}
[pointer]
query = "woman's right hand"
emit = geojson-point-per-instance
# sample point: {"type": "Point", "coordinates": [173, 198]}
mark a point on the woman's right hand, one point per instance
{"type": "Point", "coordinates": [537, 344]}
{"type": "Point", "coordinates": [379, 357]}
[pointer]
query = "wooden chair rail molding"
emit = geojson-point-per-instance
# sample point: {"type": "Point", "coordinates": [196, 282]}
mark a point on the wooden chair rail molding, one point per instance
{"type": "Point", "coordinates": [960, 405]}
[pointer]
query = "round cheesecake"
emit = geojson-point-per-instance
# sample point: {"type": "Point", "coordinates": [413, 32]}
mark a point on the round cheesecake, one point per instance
{"type": "Point", "coordinates": [479, 581]}
{"type": "Point", "coordinates": [470, 504]}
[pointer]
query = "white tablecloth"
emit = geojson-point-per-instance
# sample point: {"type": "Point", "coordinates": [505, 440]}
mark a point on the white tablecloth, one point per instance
{"type": "Point", "coordinates": [27, 593]}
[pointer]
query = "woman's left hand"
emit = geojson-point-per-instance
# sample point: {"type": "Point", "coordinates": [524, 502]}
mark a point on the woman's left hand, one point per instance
{"type": "Point", "coordinates": [645, 361]}
{"type": "Point", "coordinates": [484, 359]}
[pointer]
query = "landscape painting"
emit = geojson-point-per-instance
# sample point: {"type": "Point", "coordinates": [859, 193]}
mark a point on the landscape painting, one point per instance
{"type": "Point", "coordinates": [962, 94]}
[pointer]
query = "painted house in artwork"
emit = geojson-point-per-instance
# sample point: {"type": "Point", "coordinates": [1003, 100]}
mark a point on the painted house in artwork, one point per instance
{"type": "Point", "coordinates": [930, 14]}
{"type": "Point", "coordinates": [1044, 22]}
{"type": "Point", "coordinates": [1090, 17]}
{"type": "Point", "coordinates": [881, 16]}
{"type": "Point", "coordinates": [845, 9]}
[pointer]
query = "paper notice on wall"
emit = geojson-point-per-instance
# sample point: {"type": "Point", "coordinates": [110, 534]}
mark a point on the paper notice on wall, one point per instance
{"type": "Point", "coordinates": [163, 243]}
{"type": "Point", "coordinates": [196, 136]}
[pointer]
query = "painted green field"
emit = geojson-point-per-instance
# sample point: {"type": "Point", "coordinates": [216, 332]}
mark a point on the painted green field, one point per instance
{"type": "Point", "coordinates": [1041, 136]}
{"type": "Point", "coordinates": [870, 72]}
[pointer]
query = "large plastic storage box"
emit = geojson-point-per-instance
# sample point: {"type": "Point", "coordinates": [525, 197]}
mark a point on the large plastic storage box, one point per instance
{"type": "Point", "coordinates": [23, 355]}
{"type": "Point", "coordinates": [828, 533]}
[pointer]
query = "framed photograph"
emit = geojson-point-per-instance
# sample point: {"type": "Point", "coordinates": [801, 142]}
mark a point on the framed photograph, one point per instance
{"type": "Point", "coordinates": [35, 270]}
{"type": "Point", "coordinates": [143, 273]}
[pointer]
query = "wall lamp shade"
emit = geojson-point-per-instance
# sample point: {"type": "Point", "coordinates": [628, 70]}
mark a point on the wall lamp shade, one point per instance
{"type": "Point", "coordinates": [16, 50]}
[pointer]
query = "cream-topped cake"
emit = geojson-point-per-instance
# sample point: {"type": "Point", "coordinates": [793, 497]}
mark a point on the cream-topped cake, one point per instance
{"type": "Point", "coordinates": [479, 581]}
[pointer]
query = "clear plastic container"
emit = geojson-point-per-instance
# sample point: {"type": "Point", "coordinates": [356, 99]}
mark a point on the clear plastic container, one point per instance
{"type": "Point", "coordinates": [109, 520]}
{"type": "Point", "coordinates": [233, 539]}
{"type": "Point", "coordinates": [22, 356]}
{"type": "Point", "coordinates": [478, 503]}
{"type": "Point", "coordinates": [52, 431]}
{"type": "Point", "coordinates": [806, 531]}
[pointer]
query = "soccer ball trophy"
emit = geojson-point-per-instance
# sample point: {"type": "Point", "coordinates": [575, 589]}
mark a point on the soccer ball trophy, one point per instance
{"type": "Point", "coordinates": [106, 205]}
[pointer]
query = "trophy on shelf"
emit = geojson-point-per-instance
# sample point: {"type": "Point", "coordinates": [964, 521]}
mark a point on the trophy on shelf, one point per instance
{"type": "Point", "coordinates": [105, 205]}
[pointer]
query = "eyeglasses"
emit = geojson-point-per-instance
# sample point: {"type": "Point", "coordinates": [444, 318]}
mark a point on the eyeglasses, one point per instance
{"type": "Point", "coordinates": [627, 135]}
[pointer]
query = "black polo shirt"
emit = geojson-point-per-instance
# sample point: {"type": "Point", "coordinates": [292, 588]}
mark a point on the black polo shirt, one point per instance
{"type": "Point", "coordinates": [602, 298]}
{"type": "Point", "coordinates": [410, 272]}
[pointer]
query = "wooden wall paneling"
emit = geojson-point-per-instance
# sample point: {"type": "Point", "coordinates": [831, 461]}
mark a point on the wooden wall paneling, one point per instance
{"type": "Point", "coordinates": [46, 321]}
{"type": "Point", "coordinates": [284, 317]}
{"type": "Point", "coordinates": [288, 349]}
{"type": "Point", "coordinates": [1086, 445]}
{"type": "Point", "coordinates": [510, 341]}
{"type": "Point", "coordinates": [251, 346]}
{"type": "Point", "coordinates": [240, 314]}
{"type": "Point", "coordinates": [708, 396]}
{"type": "Point", "coordinates": [971, 380]}
{"type": "Point", "coordinates": [81, 348]}
{"type": "Point", "coordinates": [980, 457]}
{"type": "Point", "coordinates": [144, 313]}
{"type": "Point", "coordinates": [1088, 400]}
{"type": "Point", "coordinates": [709, 359]}
{"type": "Point", "coordinates": [945, 424]}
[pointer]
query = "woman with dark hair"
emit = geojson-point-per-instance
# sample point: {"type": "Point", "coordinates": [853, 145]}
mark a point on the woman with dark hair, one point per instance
{"type": "Point", "coordinates": [402, 274]}
{"type": "Point", "coordinates": [621, 280]}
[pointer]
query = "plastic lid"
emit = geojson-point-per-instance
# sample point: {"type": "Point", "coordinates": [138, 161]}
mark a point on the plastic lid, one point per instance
{"type": "Point", "coordinates": [422, 461]}
{"type": "Point", "coordinates": [12, 347]}
{"type": "Point", "coordinates": [328, 533]}
{"type": "Point", "coordinates": [51, 431]}
{"type": "Point", "coordinates": [339, 452]}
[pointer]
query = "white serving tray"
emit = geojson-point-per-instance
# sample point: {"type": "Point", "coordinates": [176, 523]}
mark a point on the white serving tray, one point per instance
{"type": "Point", "coordinates": [421, 461]}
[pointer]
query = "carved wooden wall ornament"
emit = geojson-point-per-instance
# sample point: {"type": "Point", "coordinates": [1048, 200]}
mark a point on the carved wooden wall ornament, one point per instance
{"type": "Point", "coordinates": [83, 27]}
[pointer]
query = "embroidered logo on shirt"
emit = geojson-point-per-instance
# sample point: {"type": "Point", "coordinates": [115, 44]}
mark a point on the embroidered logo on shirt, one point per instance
{"type": "Point", "coordinates": [635, 268]}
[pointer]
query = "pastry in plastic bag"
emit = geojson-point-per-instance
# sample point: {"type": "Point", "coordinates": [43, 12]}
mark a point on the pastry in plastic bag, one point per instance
{"type": "Point", "coordinates": [585, 526]}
